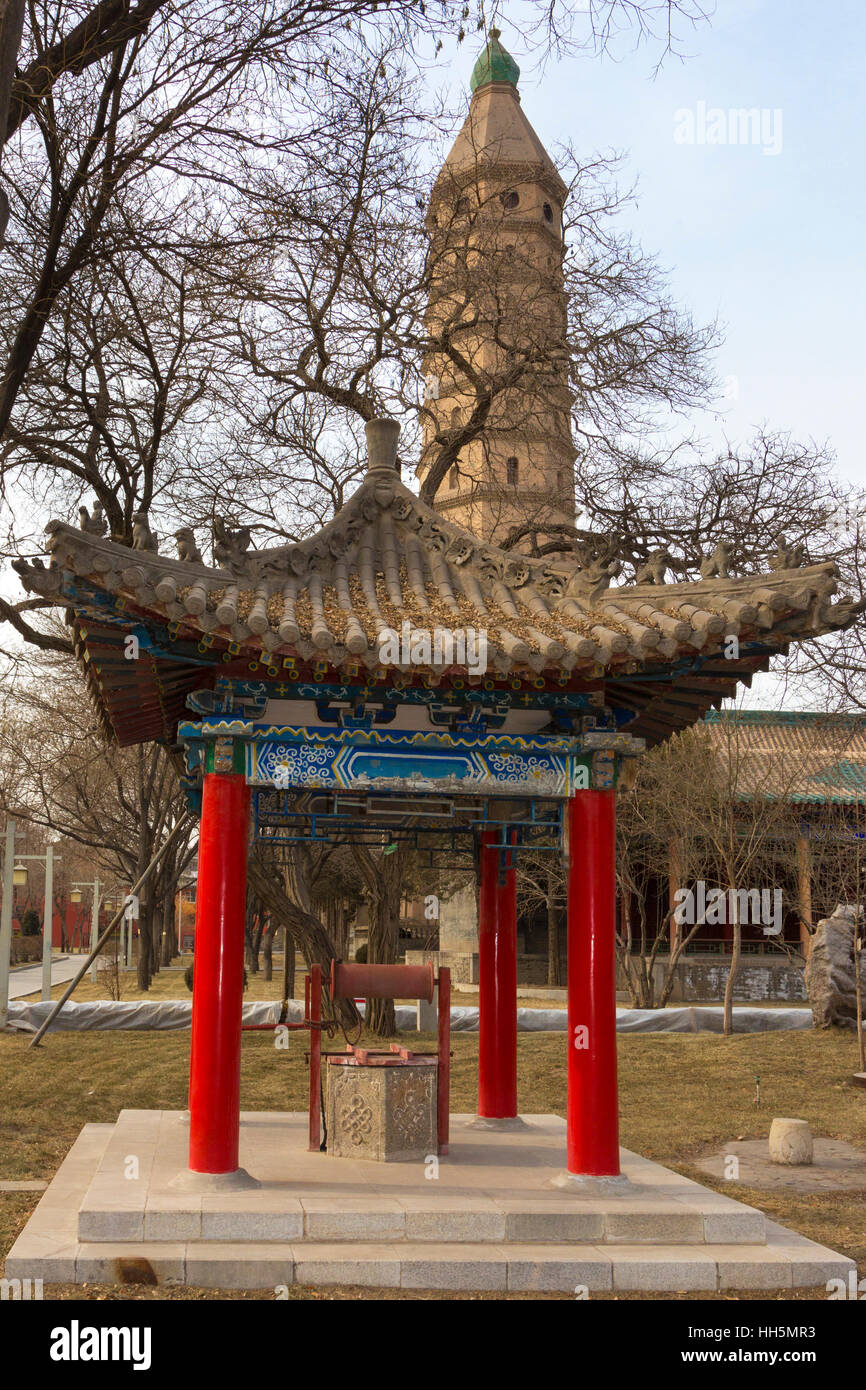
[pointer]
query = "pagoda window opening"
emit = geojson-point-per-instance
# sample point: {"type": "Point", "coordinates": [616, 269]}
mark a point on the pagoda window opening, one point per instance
{"type": "Point", "coordinates": [452, 477]}
{"type": "Point", "coordinates": [510, 200]}
{"type": "Point", "coordinates": [511, 470]}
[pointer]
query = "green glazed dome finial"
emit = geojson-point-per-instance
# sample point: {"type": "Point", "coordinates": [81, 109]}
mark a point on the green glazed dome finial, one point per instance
{"type": "Point", "coordinates": [495, 64]}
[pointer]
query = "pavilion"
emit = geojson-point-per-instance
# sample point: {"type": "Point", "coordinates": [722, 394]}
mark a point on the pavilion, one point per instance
{"type": "Point", "coordinates": [398, 673]}
{"type": "Point", "coordinates": [266, 670]}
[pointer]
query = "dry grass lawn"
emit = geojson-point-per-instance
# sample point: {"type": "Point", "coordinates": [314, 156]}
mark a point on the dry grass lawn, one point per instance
{"type": "Point", "coordinates": [169, 984]}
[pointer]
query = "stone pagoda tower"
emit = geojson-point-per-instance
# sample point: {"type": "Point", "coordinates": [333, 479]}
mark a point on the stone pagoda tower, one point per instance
{"type": "Point", "coordinates": [497, 320]}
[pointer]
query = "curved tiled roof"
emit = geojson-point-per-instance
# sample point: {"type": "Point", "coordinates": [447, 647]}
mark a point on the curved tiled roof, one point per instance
{"type": "Point", "coordinates": [387, 558]}
{"type": "Point", "coordinates": [802, 755]}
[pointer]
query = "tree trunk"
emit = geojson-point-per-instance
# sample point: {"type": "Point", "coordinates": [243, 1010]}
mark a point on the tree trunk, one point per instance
{"type": "Point", "coordinates": [382, 946]}
{"type": "Point", "coordinates": [169, 934]}
{"type": "Point", "coordinates": [11, 27]}
{"type": "Point", "coordinates": [166, 941]}
{"type": "Point", "coordinates": [144, 965]}
{"type": "Point", "coordinates": [156, 938]}
{"type": "Point", "coordinates": [383, 877]}
{"type": "Point", "coordinates": [735, 964]}
{"type": "Point", "coordinates": [338, 926]}
{"type": "Point", "coordinates": [145, 945]}
{"type": "Point", "coordinates": [554, 976]}
{"type": "Point", "coordinates": [379, 1015]}
{"type": "Point", "coordinates": [288, 964]}
{"type": "Point", "coordinates": [268, 949]}
{"type": "Point", "coordinates": [858, 956]}
{"type": "Point", "coordinates": [306, 929]}
{"type": "Point", "coordinates": [252, 932]}
{"type": "Point", "coordinates": [641, 982]}
{"type": "Point", "coordinates": [168, 894]}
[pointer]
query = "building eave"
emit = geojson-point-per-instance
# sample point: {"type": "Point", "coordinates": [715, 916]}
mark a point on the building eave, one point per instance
{"type": "Point", "coordinates": [387, 559]}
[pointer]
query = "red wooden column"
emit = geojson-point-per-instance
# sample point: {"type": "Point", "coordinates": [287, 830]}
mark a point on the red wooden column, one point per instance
{"type": "Point", "coordinates": [497, 985]}
{"type": "Point", "coordinates": [592, 1106]}
{"type": "Point", "coordinates": [218, 975]}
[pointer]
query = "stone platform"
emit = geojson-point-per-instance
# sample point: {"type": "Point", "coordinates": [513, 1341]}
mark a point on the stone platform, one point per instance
{"type": "Point", "coordinates": [490, 1220]}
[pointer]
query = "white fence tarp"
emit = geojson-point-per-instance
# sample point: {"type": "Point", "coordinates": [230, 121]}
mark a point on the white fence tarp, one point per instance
{"type": "Point", "coordinates": [710, 1018]}
{"type": "Point", "coordinates": [158, 1014]}
{"type": "Point", "coordinates": [169, 1014]}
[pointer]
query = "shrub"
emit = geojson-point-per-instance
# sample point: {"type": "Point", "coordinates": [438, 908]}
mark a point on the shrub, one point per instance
{"type": "Point", "coordinates": [361, 954]}
{"type": "Point", "coordinates": [25, 949]}
{"type": "Point", "coordinates": [31, 924]}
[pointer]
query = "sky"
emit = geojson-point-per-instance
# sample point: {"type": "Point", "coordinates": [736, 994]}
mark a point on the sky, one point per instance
{"type": "Point", "coordinates": [766, 235]}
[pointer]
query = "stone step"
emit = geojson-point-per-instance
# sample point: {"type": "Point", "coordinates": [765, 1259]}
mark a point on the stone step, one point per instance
{"type": "Point", "coordinates": [268, 1215]}
{"type": "Point", "coordinates": [785, 1261]}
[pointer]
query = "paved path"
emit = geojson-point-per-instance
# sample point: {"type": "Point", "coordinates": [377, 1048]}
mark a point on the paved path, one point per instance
{"type": "Point", "coordinates": [838, 1167]}
{"type": "Point", "coordinates": [29, 980]}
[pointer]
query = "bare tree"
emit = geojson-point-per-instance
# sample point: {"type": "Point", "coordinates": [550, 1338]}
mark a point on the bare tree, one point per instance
{"type": "Point", "coordinates": [383, 874]}
{"type": "Point", "coordinates": [58, 773]}
{"type": "Point", "coordinates": [11, 29]}
{"type": "Point", "coordinates": [541, 884]}
{"type": "Point", "coordinates": [717, 803]}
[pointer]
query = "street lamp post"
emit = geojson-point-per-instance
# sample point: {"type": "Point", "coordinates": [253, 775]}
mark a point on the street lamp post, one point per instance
{"type": "Point", "coordinates": [94, 919]}
{"type": "Point", "coordinates": [20, 880]}
{"type": "Point", "coordinates": [115, 893]}
{"type": "Point", "coordinates": [116, 898]}
{"type": "Point", "coordinates": [48, 922]}
{"type": "Point", "coordinates": [111, 902]}
{"type": "Point", "coordinates": [131, 906]}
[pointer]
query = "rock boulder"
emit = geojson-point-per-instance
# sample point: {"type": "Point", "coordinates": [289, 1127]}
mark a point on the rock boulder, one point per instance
{"type": "Point", "coordinates": [829, 973]}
